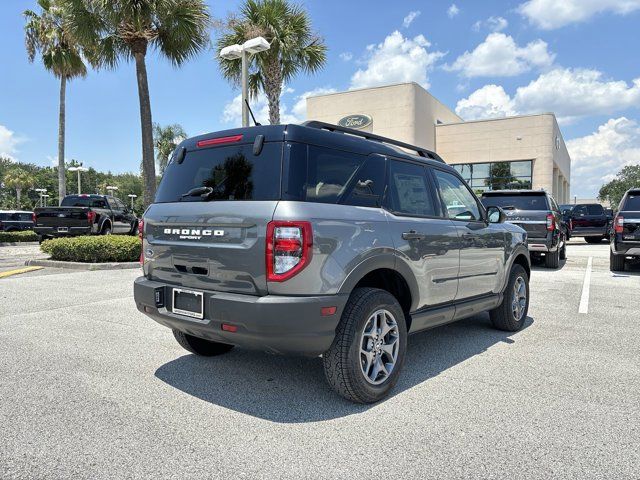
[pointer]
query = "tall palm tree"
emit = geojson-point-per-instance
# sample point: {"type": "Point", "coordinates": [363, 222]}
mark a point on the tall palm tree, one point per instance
{"type": "Point", "coordinates": [294, 48]}
{"type": "Point", "coordinates": [46, 33]}
{"type": "Point", "coordinates": [116, 30]}
{"type": "Point", "coordinates": [18, 180]}
{"type": "Point", "coordinates": [165, 141]}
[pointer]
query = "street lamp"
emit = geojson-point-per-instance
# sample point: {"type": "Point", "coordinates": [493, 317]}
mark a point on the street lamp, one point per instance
{"type": "Point", "coordinates": [44, 198]}
{"type": "Point", "coordinates": [41, 192]}
{"type": "Point", "coordinates": [111, 189]}
{"type": "Point", "coordinates": [78, 169]}
{"type": "Point", "coordinates": [132, 196]}
{"type": "Point", "coordinates": [233, 52]}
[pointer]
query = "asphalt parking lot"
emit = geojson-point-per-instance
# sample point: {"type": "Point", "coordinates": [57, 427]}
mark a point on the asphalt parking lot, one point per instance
{"type": "Point", "coordinates": [90, 388]}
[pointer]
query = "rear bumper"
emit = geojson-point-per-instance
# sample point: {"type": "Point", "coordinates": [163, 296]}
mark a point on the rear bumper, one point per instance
{"type": "Point", "coordinates": [53, 231]}
{"type": "Point", "coordinates": [589, 232]}
{"type": "Point", "coordinates": [272, 323]}
{"type": "Point", "coordinates": [628, 248]}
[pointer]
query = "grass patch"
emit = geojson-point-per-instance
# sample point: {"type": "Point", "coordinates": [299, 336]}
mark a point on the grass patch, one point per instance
{"type": "Point", "coordinates": [94, 249]}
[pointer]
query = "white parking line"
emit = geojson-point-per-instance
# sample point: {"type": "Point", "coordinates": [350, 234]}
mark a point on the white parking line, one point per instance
{"type": "Point", "coordinates": [584, 299]}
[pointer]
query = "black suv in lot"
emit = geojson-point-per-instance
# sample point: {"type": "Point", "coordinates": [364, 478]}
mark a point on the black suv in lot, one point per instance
{"type": "Point", "coordinates": [590, 221]}
{"type": "Point", "coordinates": [538, 213]}
{"type": "Point", "coordinates": [625, 237]}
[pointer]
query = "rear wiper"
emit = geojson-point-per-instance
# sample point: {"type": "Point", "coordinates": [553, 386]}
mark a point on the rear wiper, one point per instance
{"type": "Point", "coordinates": [201, 191]}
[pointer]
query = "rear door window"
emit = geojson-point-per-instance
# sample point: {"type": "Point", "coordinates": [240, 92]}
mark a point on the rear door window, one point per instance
{"type": "Point", "coordinates": [410, 192]}
{"type": "Point", "coordinates": [228, 173]}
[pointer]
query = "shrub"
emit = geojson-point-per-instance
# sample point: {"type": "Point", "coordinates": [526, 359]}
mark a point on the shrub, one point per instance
{"type": "Point", "coordinates": [95, 249]}
{"type": "Point", "coordinates": [25, 236]}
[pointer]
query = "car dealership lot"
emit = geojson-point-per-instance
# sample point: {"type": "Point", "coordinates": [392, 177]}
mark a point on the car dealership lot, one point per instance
{"type": "Point", "coordinates": [91, 388]}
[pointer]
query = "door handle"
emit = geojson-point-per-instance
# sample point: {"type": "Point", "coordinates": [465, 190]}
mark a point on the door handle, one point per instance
{"type": "Point", "coordinates": [413, 235]}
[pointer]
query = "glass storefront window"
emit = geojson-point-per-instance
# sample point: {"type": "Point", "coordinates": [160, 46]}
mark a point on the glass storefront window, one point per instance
{"type": "Point", "coordinates": [497, 175]}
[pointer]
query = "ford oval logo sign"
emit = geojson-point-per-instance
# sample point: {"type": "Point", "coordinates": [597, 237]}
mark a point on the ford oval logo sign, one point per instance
{"type": "Point", "coordinates": [355, 121]}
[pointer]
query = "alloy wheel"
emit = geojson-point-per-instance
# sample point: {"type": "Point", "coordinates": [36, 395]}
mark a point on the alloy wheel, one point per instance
{"type": "Point", "coordinates": [379, 346]}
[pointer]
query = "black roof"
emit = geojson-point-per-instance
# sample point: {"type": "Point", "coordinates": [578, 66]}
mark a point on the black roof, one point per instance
{"type": "Point", "coordinates": [326, 135]}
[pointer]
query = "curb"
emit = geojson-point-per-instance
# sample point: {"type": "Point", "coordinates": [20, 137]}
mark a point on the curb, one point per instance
{"type": "Point", "coordinates": [83, 266]}
{"type": "Point", "coordinates": [17, 244]}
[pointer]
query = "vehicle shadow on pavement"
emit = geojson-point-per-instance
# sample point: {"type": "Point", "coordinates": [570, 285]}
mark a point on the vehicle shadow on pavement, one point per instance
{"type": "Point", "coordinates": [293, 389]}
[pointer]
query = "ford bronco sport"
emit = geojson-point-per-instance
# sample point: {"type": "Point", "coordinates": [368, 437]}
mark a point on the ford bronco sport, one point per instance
{"type": "Point", "coordinates": [315, 239]}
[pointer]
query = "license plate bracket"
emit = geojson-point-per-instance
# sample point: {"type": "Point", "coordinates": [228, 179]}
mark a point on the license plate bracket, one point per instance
{"type": "Point", "coordinates": [188, 303]}
{"type": "Point", "coordinates": [63, 229]}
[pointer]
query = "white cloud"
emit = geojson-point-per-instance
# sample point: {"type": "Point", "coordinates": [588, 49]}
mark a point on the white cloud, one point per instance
{"type": "Point", "coordinates": [551, 14]}
{"type": "Point", "coordinates": [500, 56]}
{"type": "Point", "coordinates": [494, 24]}
{"type": "Point", "coordinates": [299, 109]}
{"type": "Point", "coordinates": [569, 93]}
{"type": "Point", "coordinates": [397, 59]}
{"type": "Point", "coordinates": [8, 143]}
{"type": "Point", "coordinates": [453, 10]}
{"type": "Point", "coordinates": [411, 16]}
{"type": "Point", "coordinates": [346, 56]}
{"type": "Point", "coordinates": [490, 101]}
{"type": "Point", "coordinates": [597, 157]}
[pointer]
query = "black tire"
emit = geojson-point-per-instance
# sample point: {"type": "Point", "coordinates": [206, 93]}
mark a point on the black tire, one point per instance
{"type": "Point", "coordinates": [552, 259]}
{"type": "Point", "coordinates": [503, 317]}
{"type": "Point", "coordinates": [593, 239]}
{"type": "Point", "coordinates": [200, 346]}
{"type": "Point", "coordinates": [134, 229]}
{"type": "Point", "coordinates": [106, 229]}
{"type": "Point", "coordinates": [563, 250]}
{"type": "Point", "coordinates": [342, 362]}
{"type": "Point", "coordinates": [616, 262]}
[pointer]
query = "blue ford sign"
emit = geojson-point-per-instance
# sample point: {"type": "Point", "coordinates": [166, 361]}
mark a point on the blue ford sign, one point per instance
{"type": "Point", "coordinates": [355, 121]}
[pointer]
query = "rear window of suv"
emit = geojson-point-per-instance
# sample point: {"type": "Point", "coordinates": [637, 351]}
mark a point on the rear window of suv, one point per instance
{"type": "Point", "coordinates": [231, 172]}
{"type": "Point", "coordinates": [526, 201]}
{"type": "Point", "coordinates": [632, 202]}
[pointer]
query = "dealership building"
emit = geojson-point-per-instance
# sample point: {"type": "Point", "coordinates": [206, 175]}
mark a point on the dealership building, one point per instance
{"type": "Point", "coordinates": [504, 153]}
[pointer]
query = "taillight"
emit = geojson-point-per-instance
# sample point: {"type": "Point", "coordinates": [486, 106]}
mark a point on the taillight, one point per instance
{"type": "Point", "coordinates": [551, 222]}
{"type": "Point", "coordinates": [141, 237]}
{"type": "Point", "coordinates": [288, 249]}
{"type": "Point", "coordinates": [34, 217]}
{"type": "Point", "coordinates": [91, 217]}
{"type": "Point", "coordinates": [571, 224]}
{"type": "Point", "coordinates": [618, 224]}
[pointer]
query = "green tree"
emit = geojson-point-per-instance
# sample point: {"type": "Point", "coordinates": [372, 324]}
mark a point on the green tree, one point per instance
{"type": "Point", "coordinates": [116, 30]}
{"type": "Point", "coordinates": [46, 33]}
{"type": "Point", "coordinates": [165, 141]}
{"type": "Point", "coordinates": [294, 48]}
{"type": "Point", "coordinates": [18, 179]}
{"type": "Point", "coordinates": [613, 191]}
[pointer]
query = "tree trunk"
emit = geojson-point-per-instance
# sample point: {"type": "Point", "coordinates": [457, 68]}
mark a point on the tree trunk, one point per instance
{"type": "Point", "coordinates": [62, 178]}
{"type": "Point", "coordinates": [272, 89]}
{"type": "Point", "coordinates": [148, 163]}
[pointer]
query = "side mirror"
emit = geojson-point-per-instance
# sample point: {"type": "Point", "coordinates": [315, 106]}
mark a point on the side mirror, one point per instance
{"type": "Point", "coordinates": [496, 215]}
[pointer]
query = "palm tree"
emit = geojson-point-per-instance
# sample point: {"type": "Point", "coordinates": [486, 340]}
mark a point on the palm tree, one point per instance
{"type": "Point", "coordinates": [18, 180]}
{"type": "Point", "coordinates": [165, 141]}
{"type": "Point", "coordinates": [294, 48]}
{"type": "Point", "coordinates": [46, 33]}
{"type": "Point", "coordinates": [116, 30]}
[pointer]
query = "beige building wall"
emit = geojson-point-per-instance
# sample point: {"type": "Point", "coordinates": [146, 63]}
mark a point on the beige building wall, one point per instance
{"type": "Point", "coordinates": [405, 111]}
{"type": "Point", "coordinates": [534, 137]}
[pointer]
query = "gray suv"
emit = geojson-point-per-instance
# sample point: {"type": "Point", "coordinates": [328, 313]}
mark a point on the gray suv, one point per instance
{"type": "Point", "coordinates": [315, 239]}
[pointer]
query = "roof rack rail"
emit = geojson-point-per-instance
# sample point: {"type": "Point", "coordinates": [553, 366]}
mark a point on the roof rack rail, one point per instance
{"type": "Point", "coordinates": [371, 136]}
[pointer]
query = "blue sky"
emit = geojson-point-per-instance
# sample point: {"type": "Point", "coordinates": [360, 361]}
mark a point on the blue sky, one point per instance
{"type": "Point", "coordinates": [577, 58]}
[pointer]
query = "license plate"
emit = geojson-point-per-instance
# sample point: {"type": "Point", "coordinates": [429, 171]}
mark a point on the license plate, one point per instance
{"type": "Point", "coordinates": [188, 303]}
{"type": "Point", "coordinates": [63, 229]}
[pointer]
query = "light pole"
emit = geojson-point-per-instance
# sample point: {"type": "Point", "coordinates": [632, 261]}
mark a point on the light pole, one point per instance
{"type": "Point", "coordinates": [111, 189]}
{"type": "Point", "coordinates": [233, 52]}
{"type": "Point", "coordinates": [41, 192]}
{"type": "Point", "coordinates": [44, 198]}
{"type": "Point", "coordinates": [78, 169]}
{"type": "Point", "coordinates": [132, 196]}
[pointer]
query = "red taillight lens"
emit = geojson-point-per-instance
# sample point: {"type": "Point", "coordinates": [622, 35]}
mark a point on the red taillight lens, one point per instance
{"type": "Point", "coordinates": [618, 224]}
{"type": "Point", "coordinates": [288, 249]}
{"type": "Point", "coordinates": [91, 217]}
{"type": "Point", "coordinates": [571, 224]}
{"type": "Point", "coordinates": [219, 141]}
{"type": "Point", "coordinates": [34, 218]}
{"type": "Point", "coordinates": [141, 237]}
{"type": "Point", "coordinates": [551, 222]}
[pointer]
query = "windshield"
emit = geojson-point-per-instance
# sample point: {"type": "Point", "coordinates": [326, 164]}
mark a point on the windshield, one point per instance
{"type": "Point", "coordinates": [82, 201]}
{"type": "Point", "coordinates": [632, 202]}
{"type": "Point", "coordinates": [517, 201]}
{"type": "Point", "coordinates": [230, 173]}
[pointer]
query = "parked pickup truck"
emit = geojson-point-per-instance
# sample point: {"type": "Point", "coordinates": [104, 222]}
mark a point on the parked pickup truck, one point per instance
{"type": "Point", "coordinates": [85, 215]}
{"type": "Point", "coordinates": [15, 220]}
{"type": "Point", "coordinates": [625, 237]}
{"type": "Point", "coordinates": [589, 221]}
{"type": "Point", "coordinates": [538, 213]}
